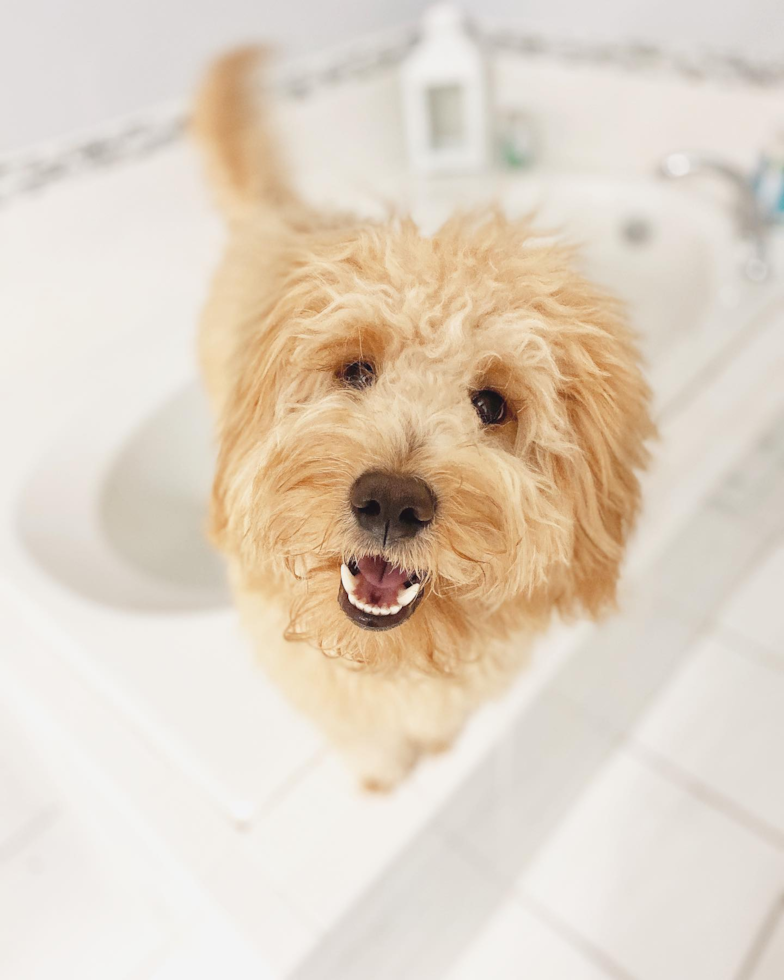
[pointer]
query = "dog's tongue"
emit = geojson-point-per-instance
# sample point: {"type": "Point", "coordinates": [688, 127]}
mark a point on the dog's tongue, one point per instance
{"type": "Point", "coordinates": [380, 573]}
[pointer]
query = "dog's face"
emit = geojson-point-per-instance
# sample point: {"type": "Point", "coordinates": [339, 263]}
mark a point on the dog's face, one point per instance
{"type": "Point", "coordinates": [436, 437]}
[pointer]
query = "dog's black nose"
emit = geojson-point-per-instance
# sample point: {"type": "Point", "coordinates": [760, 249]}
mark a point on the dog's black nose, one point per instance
{"type": "Point", "coordinates": [392, 506]}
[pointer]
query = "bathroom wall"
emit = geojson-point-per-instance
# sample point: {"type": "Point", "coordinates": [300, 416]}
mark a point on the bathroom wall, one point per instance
{"type": "Point", "coordinates": [67, 64]}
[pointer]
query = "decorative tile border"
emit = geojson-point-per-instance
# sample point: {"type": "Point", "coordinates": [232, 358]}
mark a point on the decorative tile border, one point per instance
{"type": "Point", "coordinates": [143, 134]}
{"type": "Point", "coordinates": [113, 143]}
{"type": "Point", "coordinates": [694, 64]}
{"type": "Point", "coordinates": [351, 64]}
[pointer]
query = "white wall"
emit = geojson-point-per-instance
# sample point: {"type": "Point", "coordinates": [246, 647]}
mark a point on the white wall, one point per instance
{"type": "Point", "coordinates": [66, 64]}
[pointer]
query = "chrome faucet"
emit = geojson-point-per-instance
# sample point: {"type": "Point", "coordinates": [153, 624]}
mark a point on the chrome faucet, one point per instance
{"type": "Point", "coordinates": [751, 221]}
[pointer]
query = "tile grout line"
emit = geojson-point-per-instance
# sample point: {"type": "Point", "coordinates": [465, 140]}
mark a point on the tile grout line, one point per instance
{"type": "Point", "coordinates": [749, 648]}
{"type": "Point", "coordinates": [663, 767]}
{"type": "Point", "coordinates": [284, 789]}
{"type": "Point", "coordinates": [595, 955]}
{"type": "Point", "coordinates": [483, 869]}
{"type": "Point", "coordinates": [36, 827]}
{"type": "Point", "coordinates": [566, 933]}
{"type": "Point", "coordinates": [705, 794]}
{"type": "Point", "coordinates": [761, 941]}
{"type": "Point", "coordinates": [696, 789]}
{"type": "Point", "coordinates": [558, 926]}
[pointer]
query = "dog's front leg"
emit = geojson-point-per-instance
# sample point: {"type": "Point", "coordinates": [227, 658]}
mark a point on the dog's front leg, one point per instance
{"type": "Point", "coordinates": [379, 760]}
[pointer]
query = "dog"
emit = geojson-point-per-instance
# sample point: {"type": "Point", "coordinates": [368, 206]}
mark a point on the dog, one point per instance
{"type": "Point", "coordinates": [427, 445]}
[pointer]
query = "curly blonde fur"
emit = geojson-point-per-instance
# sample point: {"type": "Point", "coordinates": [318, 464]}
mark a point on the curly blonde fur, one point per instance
{"type": "Point", "coordinates": [532, 514]}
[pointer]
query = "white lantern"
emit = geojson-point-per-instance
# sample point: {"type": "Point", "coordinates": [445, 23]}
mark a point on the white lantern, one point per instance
{"type": "Point", "coordinates": [445, 97]}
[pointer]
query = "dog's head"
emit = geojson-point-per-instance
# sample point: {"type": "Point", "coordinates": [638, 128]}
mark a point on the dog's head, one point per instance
{"type": "Point", "coordinates": [434, 436]}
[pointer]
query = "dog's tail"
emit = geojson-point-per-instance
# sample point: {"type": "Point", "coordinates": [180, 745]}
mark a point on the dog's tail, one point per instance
{"type": "Point", "coordinates": [229, 121]}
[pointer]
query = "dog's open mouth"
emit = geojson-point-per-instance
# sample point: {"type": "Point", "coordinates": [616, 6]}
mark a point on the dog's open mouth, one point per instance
{"type": "Point", "coordinates": [377, 595]}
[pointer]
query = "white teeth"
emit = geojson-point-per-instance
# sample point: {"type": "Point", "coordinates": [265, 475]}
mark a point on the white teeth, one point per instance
{"type": "Point", "coordinates": [373, 610]}
{"type": "Point", "coordinates": [404, 597]}
{"type": "Point", "coordinates": [349, 581]}
{"type": "Point", "coordinates": [408, 595]}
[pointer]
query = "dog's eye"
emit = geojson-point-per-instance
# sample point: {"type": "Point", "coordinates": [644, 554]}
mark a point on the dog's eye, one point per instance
{"type": "Point", "coordinates": [357, 374]}
{"type": "Point", "coordinates": [489, 405]}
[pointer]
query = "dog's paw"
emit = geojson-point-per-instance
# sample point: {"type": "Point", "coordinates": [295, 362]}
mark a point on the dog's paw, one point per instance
{"type": "Point", "coordinates": [379, 768]}
{"type": "Point", "coordinates": [379, 787]}
{"type": "Point", "coordinates": [438, 747]}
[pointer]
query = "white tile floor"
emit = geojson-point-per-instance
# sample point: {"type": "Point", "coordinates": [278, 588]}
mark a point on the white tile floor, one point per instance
{"type": "Point", "coordinates": [732, 745]}
{"type": "Point", "coordinates": [515, 942]}
{"type": "Point", "coordinates": [87, 922]}
{"type": "Point", "coordinates": [666, 885]}
{"type": "Point", "coordinates": [64, 910]}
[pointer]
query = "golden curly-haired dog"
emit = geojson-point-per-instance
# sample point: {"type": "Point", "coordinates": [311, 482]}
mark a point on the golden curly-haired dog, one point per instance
{"type": "Point", "coordinates": [427, 445]}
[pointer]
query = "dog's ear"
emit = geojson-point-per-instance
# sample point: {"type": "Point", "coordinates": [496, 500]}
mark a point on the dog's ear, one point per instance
{"type": "Point", "coordinates": [245, 418]}
{"type": "Point", "coordinates": [607, 402]}
{"type": "Point", "coordinates": [247, 362]}
{"type": "Point", "coordinates": [240, 418]}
